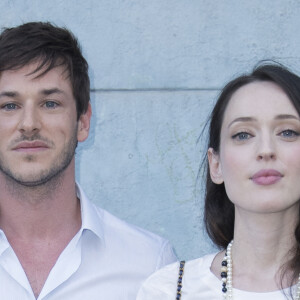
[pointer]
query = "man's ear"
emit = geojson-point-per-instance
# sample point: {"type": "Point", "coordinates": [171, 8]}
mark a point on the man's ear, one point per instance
{"type": "Point", "coordinates": [215, 169]}
{"type": "Point", "coordinates": [84, 125]}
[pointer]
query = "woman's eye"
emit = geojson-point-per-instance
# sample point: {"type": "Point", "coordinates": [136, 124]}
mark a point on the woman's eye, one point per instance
{"type": "Point", "coordinates": [289, 133]}
{"type": "Point", "coordinates": [50, 104]}
{"type": "Point", "coordinates": [242, 136]}
{"type": "Point", "coordinates": [9, 106]}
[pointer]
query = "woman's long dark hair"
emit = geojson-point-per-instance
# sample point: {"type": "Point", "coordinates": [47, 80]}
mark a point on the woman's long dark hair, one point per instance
{"type": "Point", "coordinates": [219, 210]}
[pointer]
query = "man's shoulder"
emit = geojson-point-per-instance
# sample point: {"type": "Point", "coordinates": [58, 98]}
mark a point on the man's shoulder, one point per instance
{"type": "Point", "coordinates": [122, 241]}
{"type": "Point", "coordinates": [135, 242]}
{"type": "Point", "coordinates": [124, 229]}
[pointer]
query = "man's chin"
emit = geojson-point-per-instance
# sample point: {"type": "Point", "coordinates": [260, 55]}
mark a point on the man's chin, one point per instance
{"type": "Point", "coordinates": [33, 180]}
{"type": "Point", "coordinates": [30, 183]}
{"type": "Point", "coordinates": [37, 175]}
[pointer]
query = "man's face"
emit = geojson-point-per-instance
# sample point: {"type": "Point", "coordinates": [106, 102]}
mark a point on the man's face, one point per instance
{"type": "Point", "coordinates": [38, 125]}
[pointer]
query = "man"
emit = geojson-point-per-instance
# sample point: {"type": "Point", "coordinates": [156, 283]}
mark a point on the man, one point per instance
{"type": "Point", "coordinates": [54, 243]}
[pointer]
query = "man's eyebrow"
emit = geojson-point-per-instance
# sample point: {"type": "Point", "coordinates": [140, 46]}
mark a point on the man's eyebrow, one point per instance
{"type": "Point", "coordinates": [242, 119]}
{"type": "Point", "coordinates": [45, 92]}
{"type": "Point", "coordinates": [48, 92]}
{"type": "Point", "coordinates": [10, 94]}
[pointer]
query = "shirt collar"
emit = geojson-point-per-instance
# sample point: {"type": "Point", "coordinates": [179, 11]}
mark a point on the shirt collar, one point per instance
{"type": "Point", "coordinates": [91, 218]}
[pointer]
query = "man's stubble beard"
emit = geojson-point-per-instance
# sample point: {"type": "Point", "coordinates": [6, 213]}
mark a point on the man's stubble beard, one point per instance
{"type": "Point", "coordinates": [44, 176]}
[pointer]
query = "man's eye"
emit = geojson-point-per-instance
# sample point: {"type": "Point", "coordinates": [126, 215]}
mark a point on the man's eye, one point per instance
{"type": "Point", "coordinates": [51, 104]}
{"type": "Point", "coordinates": [9, 106]}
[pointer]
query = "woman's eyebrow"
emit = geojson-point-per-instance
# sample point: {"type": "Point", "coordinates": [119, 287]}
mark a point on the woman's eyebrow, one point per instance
{"type": "Point", "coordinates": [287, 116]}
{"type": "Point", "coordinates": [251, 119]}
{"type": "Point", "coordinates": [242, 119]}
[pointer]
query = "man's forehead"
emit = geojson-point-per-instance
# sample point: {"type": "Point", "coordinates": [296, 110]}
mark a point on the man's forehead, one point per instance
{"type": "Point", "coordinates": [25, 81]}
{"type": "Point", "coordinates": [39, 68]}
{"type": "Point", "coordinates": [35, 73]}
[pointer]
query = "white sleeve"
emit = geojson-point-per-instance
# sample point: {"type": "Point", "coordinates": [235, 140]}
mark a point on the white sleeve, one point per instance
{"type": "Point", "coordinates": [160, 285]}
{"type": "Point", "coordinates": [167, 255]}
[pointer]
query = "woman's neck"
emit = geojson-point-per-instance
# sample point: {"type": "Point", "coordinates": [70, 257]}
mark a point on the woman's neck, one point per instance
{"type": "Point", "coordinates": [262, 246]}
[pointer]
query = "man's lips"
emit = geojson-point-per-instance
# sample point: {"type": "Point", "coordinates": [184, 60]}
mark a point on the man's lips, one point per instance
{"type": "Point", "coordinates": [266, 177]}
{"type": "Point", "coordinates": [33, 146]}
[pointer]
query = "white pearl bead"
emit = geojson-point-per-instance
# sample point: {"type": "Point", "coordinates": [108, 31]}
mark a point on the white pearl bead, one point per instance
{"type": "Point", "coordinates": [228, 280]}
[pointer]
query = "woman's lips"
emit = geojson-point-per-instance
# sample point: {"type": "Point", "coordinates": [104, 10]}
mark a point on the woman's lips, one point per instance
{"type": "Point", "coordinates": [266, 177]}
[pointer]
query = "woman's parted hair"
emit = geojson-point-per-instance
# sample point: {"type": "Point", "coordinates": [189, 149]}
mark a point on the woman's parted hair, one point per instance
{"type": "Point", "coordinates": [49, 46]}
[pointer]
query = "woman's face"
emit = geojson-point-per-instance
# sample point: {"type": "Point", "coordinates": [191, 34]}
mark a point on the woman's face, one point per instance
{"type": "Point", "coordinates": [259, 157]}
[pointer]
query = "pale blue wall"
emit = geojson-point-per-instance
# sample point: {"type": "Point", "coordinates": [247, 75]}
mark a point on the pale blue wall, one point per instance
{"type": "Point", "coordinates": [156, 68]}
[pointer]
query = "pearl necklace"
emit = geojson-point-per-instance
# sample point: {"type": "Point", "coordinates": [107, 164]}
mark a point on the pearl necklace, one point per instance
{"type": "Point", "coordinates": [226, 275]}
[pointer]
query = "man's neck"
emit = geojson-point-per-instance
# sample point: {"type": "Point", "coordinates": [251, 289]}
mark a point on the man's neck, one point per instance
{"type": "Point", "coordinates": [39, 223]}
{"type": "Point", "coordinates": [52, 206]}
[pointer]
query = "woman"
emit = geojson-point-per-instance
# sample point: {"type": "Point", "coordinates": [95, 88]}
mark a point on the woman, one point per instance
{"type": "Point", "coordinates": [252, 196]}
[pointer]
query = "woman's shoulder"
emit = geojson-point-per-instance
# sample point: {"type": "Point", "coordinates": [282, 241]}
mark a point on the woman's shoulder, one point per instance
{"type": "Point", "coordinates": [163, 283]}
{"type": "Point", "coordinates": [198, 283]}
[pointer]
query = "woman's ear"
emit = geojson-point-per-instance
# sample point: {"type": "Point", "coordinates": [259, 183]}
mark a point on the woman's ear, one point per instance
{"type": "Point", "coordinates": [215, 169]}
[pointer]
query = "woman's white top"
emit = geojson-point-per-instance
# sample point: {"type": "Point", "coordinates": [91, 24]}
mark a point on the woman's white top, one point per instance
{"type": "Point", "coordinates": [198, 283]}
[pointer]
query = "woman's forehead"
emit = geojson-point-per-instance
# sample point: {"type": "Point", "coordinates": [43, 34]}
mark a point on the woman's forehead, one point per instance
{"type": "Point", "coordinates": [261, 98]}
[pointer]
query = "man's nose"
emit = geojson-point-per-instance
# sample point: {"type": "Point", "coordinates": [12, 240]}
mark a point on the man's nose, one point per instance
{"type": "Point", "coordinates": [29, 122]}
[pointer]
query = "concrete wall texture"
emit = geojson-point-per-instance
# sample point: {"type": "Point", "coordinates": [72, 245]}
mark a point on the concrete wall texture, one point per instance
{"type": "Point", "coordinates": [156, 69]}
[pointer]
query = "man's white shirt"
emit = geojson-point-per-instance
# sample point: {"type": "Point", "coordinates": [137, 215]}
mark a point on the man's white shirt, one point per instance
{"type": "Point", "coordinates": [107, 259]}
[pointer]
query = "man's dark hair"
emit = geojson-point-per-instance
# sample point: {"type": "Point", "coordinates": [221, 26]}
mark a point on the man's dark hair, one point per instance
{"type": "Point", "coordinates": [49, 46]}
